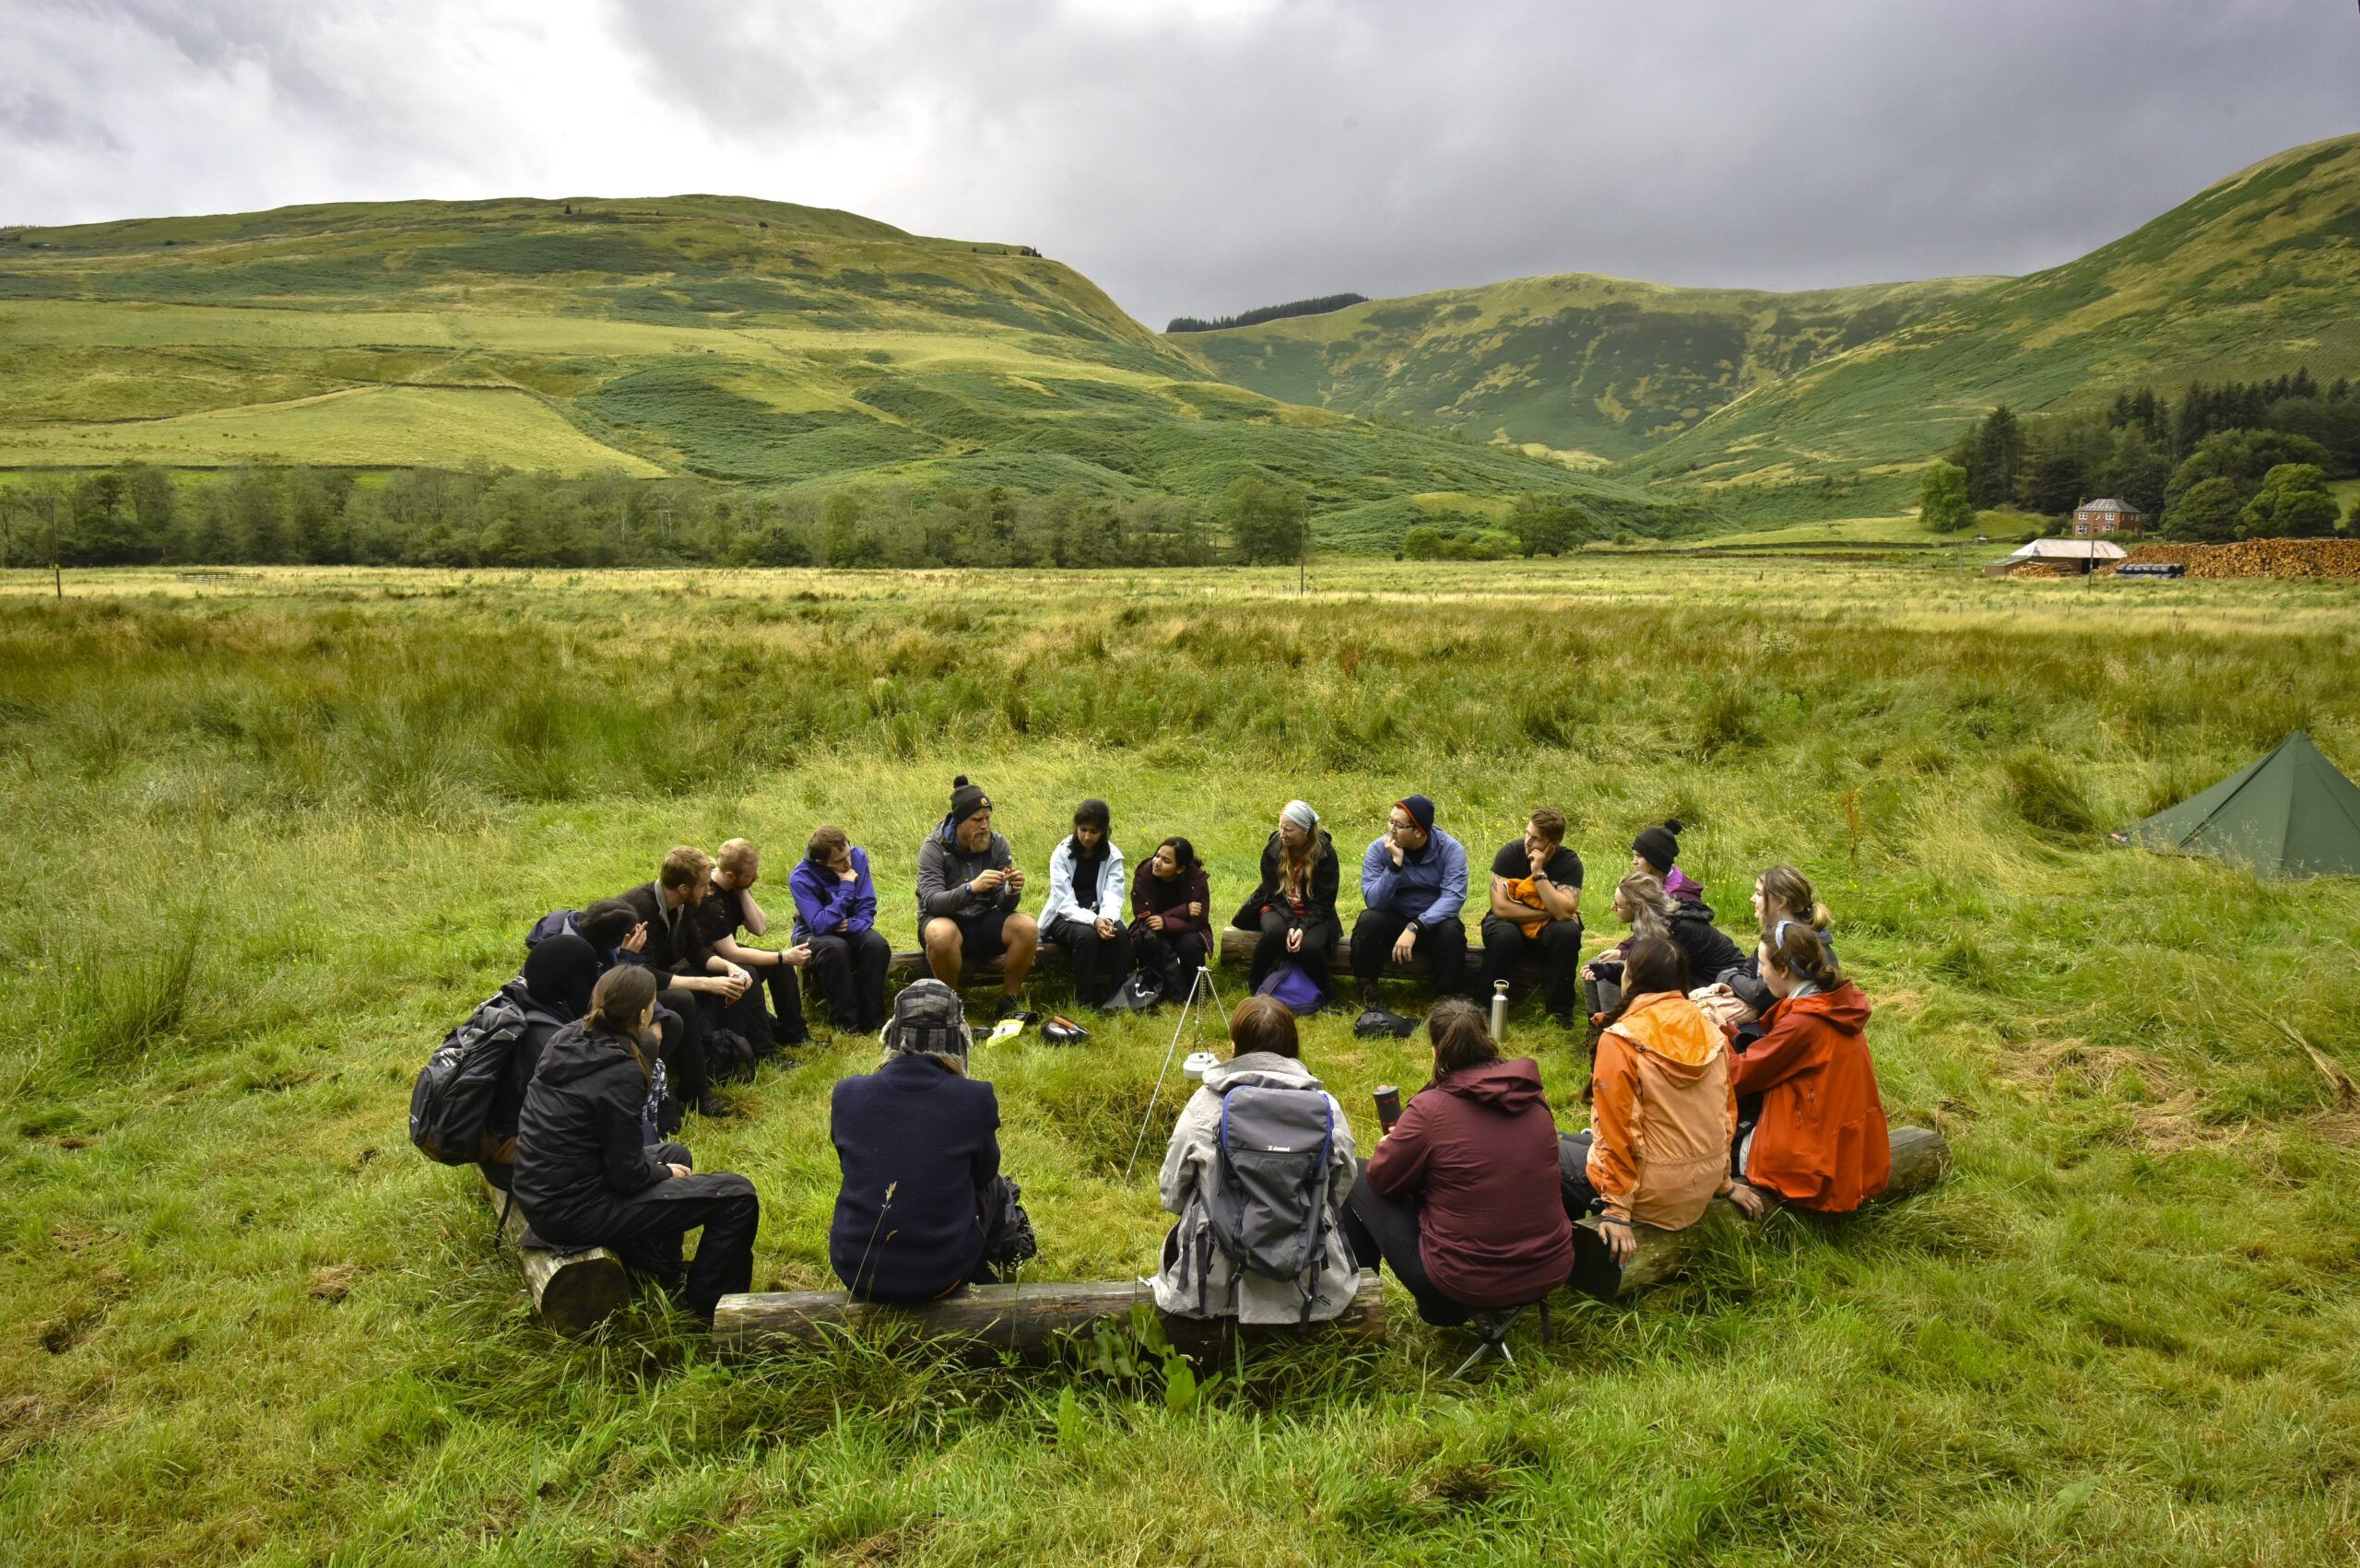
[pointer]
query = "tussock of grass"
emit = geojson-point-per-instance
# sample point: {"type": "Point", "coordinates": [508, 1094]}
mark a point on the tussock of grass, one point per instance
{"type": "Point", "coordinates": [267, 844]}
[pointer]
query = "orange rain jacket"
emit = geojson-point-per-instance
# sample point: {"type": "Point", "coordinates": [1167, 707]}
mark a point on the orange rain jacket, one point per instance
{"type": "Point", "coordinates": [1663, 1113]}
{"type": "Point", "coordinates": [1821, 1141]}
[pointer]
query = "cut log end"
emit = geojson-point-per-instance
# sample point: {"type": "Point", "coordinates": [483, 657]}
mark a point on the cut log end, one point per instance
{"type": "Point", "coordinates": [572, 1292]}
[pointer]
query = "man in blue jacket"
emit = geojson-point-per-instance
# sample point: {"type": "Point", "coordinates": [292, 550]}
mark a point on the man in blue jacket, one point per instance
{"type": "Point", "coordinates": [1414, 881]}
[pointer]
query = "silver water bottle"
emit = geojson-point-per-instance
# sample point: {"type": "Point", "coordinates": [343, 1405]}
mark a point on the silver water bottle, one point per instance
{"type": "Point", "coordinates": [1499, 1009]}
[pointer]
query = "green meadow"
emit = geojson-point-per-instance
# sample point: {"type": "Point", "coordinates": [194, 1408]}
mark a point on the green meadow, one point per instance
{"type": "Point", "coordinates": [270, 836]}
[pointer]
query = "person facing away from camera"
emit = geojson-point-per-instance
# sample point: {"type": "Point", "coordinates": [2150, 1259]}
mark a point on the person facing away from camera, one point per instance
{"type": "Point", "coordinates": [1663, 1109]}
{"type": "Point", "coordinates": [1819, 1140]}
{"type": "Point", "coordinates": [969, 887]}
{"type": "Point", "coordinates": [924, 1208]}
{"type": "Point", "coordinates": [589, 1173]}
{"type": "Point", "coordinates": [1292, 908]}
{"type": "Point", "coordinates": [1414, 883]}
{"type": "Point", "coordinates": [1462, 1197]}
{"type": "Point", "coordinates": [1084, 914]}
{"type": "Point", "coordinates": [835, 916]}
{"type": "Point", "coordinates": [1229, 1184]}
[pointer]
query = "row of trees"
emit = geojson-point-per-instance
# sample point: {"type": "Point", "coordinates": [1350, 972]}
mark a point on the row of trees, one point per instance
{"type": "Point", "coordinates": [140, 516]}
{"type": "Point", "coordinates": [2208, 471]}
{"type": "Point", "coordinates": [1535, 525]}
{"type": "Point", "coordinates": [1318, 307]}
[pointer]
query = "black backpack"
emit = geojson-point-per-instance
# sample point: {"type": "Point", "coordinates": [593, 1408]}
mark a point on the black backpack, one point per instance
{"type": "Point", "coordinates": [1271, 1215]}
{"type": "Point", "coordinates": [450, 1104]}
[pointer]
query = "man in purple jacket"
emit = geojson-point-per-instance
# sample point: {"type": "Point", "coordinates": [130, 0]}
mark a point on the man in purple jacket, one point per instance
{"type": "Point", "coordinates": [1413, 881]}
{"type": "Point", "coordinates": [835, 912]}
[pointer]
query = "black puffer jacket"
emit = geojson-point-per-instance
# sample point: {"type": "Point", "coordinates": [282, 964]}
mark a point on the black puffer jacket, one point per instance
{"type": "Point", "coordinates": [579, 1155]}
{"type": "Point", "coordinates": [1321, 896]}
{"type": "Point", "coordinates": [1710, 954]}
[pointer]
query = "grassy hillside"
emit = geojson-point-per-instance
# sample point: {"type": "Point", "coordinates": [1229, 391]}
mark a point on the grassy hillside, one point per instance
{"type": "Point", "coordinates": [307, 815]}
{"type": "Point", "coordinates": [1583, 365]}
{"type": "Point", "coordinates": [2256, 274]}
{"type": "Point", "coordinates": [732, 338]}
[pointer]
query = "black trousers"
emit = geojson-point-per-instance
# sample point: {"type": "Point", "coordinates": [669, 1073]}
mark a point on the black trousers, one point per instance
{"type": "Point", "coordinates": [1173, 958]}
{"type": "Point", "coordinates": [649, 1234]}
{"type": "Point", "coordinates": [1099, 962]}
{"type": "Point", "coordinates": [1386, 1228]}
{"type": "Point", "coordinates": [1442, 949]}
{"type": "Point", "coordinates": [1558, 948]}
{"type": "Point", "coordinates": [848, 968]}
{"type": "Point", "coordinates": [1320, 939]}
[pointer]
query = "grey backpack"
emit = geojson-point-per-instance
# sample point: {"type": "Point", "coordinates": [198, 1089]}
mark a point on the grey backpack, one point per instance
{"type": "Point", "coordinates": [1269, 1216]}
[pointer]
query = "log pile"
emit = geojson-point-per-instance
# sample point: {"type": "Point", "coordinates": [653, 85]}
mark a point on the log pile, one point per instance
{"type": "Point", "coordinates": [2257, 557]}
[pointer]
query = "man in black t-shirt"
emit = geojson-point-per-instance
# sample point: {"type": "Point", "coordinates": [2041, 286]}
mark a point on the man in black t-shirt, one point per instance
{"type": "Point", "coordinates": [728, 908]}
{"type": "Point", "coordinates": [1536, 911]}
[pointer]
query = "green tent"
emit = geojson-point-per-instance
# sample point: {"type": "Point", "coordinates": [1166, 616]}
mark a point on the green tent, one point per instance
{"type": "Point", "coordinates": [2291, 814]}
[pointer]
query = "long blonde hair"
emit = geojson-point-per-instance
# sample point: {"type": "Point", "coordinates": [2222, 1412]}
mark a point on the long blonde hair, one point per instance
{"type": "Point", "coordinates": [1650, 906]}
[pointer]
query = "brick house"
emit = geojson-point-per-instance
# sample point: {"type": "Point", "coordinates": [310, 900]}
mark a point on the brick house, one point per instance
{"type": "Point", "coordinates": [2098, 519]}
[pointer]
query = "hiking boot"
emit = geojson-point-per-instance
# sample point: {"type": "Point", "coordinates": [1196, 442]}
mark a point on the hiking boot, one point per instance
{"type": "Point", "coordinates": [1563, 1021]}
{"type": "Point", "coordinates": [1009, 1007]}
{"type": "Point", "coordinates": [713, 1106]}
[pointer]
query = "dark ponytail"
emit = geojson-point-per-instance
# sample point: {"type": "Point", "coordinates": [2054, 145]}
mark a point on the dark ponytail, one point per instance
{"type": "Point", "coordinates": [1800, 950]}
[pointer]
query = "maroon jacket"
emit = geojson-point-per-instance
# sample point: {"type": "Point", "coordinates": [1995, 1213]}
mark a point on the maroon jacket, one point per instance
{"type": "Point", "coordinates": [1480, 1147]}
{"type": "Point", "coordinates": [1150, 895]}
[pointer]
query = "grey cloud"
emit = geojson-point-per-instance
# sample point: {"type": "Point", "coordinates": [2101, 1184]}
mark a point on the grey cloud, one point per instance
{"type": "Point", "coordinates": [1204, 155]}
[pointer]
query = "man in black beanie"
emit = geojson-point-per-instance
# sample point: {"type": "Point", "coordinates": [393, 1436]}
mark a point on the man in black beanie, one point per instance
{"type": "Point", "coordinates": [968, 892]}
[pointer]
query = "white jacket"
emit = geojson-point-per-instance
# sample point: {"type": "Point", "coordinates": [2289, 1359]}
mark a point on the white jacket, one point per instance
{"type": "Point", "coordinates": [1060, 904]}
{"type": "Point", "coordinates": [1192, 1174]}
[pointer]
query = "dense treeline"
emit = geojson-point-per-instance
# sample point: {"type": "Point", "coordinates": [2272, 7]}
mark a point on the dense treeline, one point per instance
{"type": "Point", "coordinates": [2237, 460]}
{"type": "Point", "coordinates": [1318, 307]}
{"type": "Point", "coordinates": [140, 516]}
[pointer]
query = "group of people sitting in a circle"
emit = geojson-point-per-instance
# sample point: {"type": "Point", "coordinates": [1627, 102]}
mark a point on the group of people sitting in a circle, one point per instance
{"type": "Point", "coordinates": [1712, 1069]}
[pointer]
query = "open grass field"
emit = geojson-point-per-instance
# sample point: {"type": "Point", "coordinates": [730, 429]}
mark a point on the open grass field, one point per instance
{"type": "Point", "coordinates": [269, 838]}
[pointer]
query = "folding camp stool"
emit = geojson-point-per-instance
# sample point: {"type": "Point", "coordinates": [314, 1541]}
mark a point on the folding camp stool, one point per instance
{"type": "Point", "coordinates": [1491, 1326]}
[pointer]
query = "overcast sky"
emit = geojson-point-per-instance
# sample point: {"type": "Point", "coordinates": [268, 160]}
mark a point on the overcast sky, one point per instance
{"type": "Point", "coordinates": [1207, 156]}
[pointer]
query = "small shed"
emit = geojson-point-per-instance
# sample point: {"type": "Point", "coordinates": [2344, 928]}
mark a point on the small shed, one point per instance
{"type": "Point", "coordinates": [2067, 556]}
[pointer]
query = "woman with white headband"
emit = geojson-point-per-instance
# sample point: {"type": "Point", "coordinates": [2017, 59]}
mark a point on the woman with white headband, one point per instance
{"type": "Point", "coordinates": [1294, 908]}
{"type": "Point", "coordinates": [1819, 1142]}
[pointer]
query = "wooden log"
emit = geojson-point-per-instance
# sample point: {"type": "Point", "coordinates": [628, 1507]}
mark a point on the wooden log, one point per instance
{"type": "Point", "coordinates": [572, 1292]}
{"type": "Point", "coordinates": [1237, 947]}
{"type": "Point", "coordinates": [1033, 1320]}
{"type": "Point", "coordinates": [1921, 1156]}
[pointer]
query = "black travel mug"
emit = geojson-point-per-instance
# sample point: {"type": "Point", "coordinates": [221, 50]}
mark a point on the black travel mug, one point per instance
{"type": "Point", "coordinates": [1389, 1106]}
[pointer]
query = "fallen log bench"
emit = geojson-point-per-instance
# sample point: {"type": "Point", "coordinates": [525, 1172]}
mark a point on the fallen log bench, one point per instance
{"type": "Point", "coordinates": [572, 1292]}
{"type": "Point", "coordinates": [1920, 1157]}
{"type": "Point", "coordinates": [1033, 1320]}
{"type": "Point", "coordinates": [1237, 947]}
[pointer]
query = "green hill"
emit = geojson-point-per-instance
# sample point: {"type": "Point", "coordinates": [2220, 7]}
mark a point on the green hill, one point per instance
{"type": "Point", "coordinates": [2255, 276]}
{"type": "Point", "coordinates": [722, 336]}
{"type": "Point", "coordinates": [1592, 367]}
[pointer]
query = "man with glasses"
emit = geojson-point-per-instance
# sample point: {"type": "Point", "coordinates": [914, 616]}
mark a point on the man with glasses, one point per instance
{"type": "Point", "coordinates": [1413, 881]}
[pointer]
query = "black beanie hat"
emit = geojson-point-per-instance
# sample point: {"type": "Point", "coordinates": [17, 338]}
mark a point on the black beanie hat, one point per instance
{"type": "Point", "coordinates": [1659, 847]}
{"type": "Point", "coordinates": [966, 799]}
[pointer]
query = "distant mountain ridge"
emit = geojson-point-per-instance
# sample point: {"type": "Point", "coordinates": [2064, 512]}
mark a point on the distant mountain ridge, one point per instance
{"type": "Point", "coordinates": [721, 336]}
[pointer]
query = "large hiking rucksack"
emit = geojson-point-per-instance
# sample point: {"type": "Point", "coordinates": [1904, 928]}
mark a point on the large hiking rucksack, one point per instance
{"type": "Point", "coordinates": [450, 1102]}
{"type": "Point", "coordinates": [556, 922]}
{"type": "Point", "coordinates": [1269, 1214]}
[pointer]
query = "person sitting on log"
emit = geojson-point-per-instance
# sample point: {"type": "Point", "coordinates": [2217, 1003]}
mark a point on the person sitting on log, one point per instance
{"type": "Point", "coordinates": [1414, 883]}
{"type": "Point", "coordinates": [1171, 924]}
{"type": "Point", "coordinates": [1655, 852]}
{"type": "Point", "coordinates": [969, 887]}
{"type": "Point", "coordinates": [590, 1173]}
{"type": "Point", "coordinates": [1536, 911]}
{"type": "Point", "coordinates": [1294, 906]}
{"type": "Point", "coordinates": [1639, 902]}
{"type": "Point", "coordinates": [1819, 1142]}
{"type": "Point", "coordinates": [662, 939]}
{"type": "Point", "coordinates": [1662, 1110]}
{"type": "Point", "coordinates": [835, 916]}
{"type": "Point", "coordinates": [729, 907]}
{"type": "Point", "coordinates": [923, 1210]}
{"type": "Point", "coordinates": [1781, 893]}
{"type": "Point", "coordinates": [552, 991]}
{"type": "Point", "coordinates": [1083, 912]}
{"type": "Point", "coordinates": [1204, 1273]}
{"type": "Point", "coordinates": [1462, 1197]}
